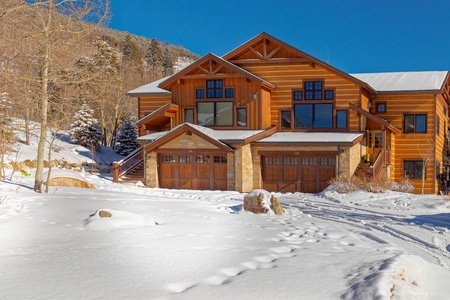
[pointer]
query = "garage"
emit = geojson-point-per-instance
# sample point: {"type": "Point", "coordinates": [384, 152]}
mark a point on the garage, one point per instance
{"type": "Point", "coordinates": [297, 173]}
{"type": "Point", "coordinates": [197, 171]}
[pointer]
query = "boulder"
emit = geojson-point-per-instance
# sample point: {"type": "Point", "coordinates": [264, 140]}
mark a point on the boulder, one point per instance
{"type": "Point", "coordinates": [104, 214]}
{"type": "Point", "coordinates": [261, 202]}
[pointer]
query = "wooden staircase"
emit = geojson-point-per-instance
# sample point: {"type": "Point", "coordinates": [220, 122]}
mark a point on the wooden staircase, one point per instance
{"type": "Point", "coordinates": [364, 171]}
{"type": "Point", "coordinates": [136, 174]}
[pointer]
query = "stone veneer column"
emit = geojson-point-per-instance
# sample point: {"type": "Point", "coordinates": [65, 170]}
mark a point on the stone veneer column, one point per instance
{"type": "Point", "coordinates": [151, 170]}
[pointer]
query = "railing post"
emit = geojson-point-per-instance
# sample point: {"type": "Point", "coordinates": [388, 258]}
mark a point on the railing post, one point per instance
{"type": "Point", "coordinates": [115, 172]}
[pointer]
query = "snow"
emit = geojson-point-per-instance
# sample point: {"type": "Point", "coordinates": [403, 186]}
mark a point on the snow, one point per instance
{"type": "Point", "coordinates": [404, 81]}
{"type": "Point", "coordinates": [182, 244]}
{"type": "Point", "coordinates": [312, 137]}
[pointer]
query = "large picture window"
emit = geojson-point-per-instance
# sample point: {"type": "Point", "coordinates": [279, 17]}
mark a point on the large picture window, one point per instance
{"type": "Point", "coordinates": [215, 113]}
{"type": "Point", "coordinates": [415, 123]}
{"type": "Point", "coordinates": [412, 169]}
{"type": "Point", "coordinates": [317, 116]}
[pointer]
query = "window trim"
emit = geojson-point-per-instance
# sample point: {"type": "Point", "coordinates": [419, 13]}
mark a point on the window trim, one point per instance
{"type": "Point", "coordinates": [415, 161]}
{"type": "Point", "coordinates": [415, 121]}
{"type": "Point", "coordinates": [377, 109]}
{"type": "Point", "coordinates": [313, 91]}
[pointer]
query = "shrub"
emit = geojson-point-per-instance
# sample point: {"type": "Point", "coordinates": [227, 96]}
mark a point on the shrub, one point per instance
{"type": "Point", "coordinates": [345, 184]}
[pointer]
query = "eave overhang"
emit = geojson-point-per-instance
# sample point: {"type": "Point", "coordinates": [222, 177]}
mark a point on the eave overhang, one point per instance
{"type": "Point", "coordinates": [159, 117]}
{"type": "Point", "coordinates": [374, 118]}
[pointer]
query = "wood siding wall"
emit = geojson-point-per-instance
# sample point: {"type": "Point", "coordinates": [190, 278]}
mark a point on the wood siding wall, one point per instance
{"type": "Point", "coordinates": [289, 77]}
{"type": "Point", "coordinates": [412, 146]}
{"type": "Point", "coordinates": [150, 104]}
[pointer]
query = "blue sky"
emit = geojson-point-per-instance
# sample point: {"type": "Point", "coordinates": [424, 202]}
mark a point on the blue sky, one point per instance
{"type": "Point", "coordinates": [356, 36]}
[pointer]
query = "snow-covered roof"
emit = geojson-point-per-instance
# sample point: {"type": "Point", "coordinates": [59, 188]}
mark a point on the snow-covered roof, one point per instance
{"type": "Point", "coordinates": [219, 135]}
{"type": "Point", "coordinates": [311, 137]}
{"type": "Point", "coordinates": [404, 81]}
{"type": "Point", "coordinates": [149, 88]}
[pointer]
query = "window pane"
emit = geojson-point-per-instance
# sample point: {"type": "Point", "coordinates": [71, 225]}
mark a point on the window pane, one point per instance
{"type": "Point", "coordinates": [341, 119]}
{"type": "Point", "coordinates": [409, 123]}
{"type": "Point", "coordinates": [229, 93]}
{"type": "Point", "coordinates": [329, 95]}
{"type": "Point", "coordinates": [323, 115]}
{"type": "Point", "coordinates": [205, 113]}
{"type": "Point", "coordinates": [219, 93]}
{"type": "Point", "coordinates": [286, 119]}
{"type": "Point", "coordinates": [189, 116]}
{"type": "Point", "coordinates": [298, 95]}
{"type": "Point", "coordinates": [199, 93]}
{"type": "Point", "coordinates": [421, 123]}
{"type": "Point", "coordinates": [303, 116]}
{"type": "Point", "coordinates": [381, 107]}
{"type": "Point", "coordinates": [224, 113]}
{"type": "Point", "coordinates": [241, 115]}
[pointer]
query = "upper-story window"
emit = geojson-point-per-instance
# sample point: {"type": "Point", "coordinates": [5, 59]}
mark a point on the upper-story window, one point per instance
{"type": "Point", "coordinates": [199, 93]}
{"type": "Point", "coordinates": [313, 90]}
{"type": "Point", "coordinates": [297, 95]}
{"type": "Point", "coordinates": [218, 113]}
{"type": "Point", "coordinates": [317, 116]}
{"type": "Point", "coordinates": [415, 123]}
{"type": "Point", "coordinates": [214, 88]}
{"type": "Point", "coordinates": [381, 107]}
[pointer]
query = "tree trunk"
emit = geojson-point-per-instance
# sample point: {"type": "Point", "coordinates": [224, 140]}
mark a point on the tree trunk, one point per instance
{"type": "Point", "coordinates": [44, 103]}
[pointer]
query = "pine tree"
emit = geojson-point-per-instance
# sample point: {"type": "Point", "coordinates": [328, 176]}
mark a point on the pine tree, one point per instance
{"type": "Point", "coordinates": [84, 130]}
{"type": "Point", "coordinates": [126, 138]}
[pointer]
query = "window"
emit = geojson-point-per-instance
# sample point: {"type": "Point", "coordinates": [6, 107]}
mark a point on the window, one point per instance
{"type": "Point", "coordinates": [229, 93]}
{"type": "Point", "coordinates": [341, 119]}
{"type": "Point", "coordinates": [297, 95]}
{"type": "Point", "coordinates": [329, 94]}
{"type": "Point", "coordinates": [215, 114]}
{"type": "Point", "coordinates": [199, 93]}
{"type": "Point", "coordinates": [327, 161]}
{"type": "Point", "coordinates": [189, 115]}
{"type": "Point", "coordinates": [168, 159]}
{"type": "Point", "coordinates": [272, 161]}
{"type": "Point", "coordinates": [202, 159]}
{"type": "Point", "coordinates": [318, 116]}
{"type": "Point", "coordinates": [220, 159]}
{"type": "Point", "coordinates": [438, 170]}
{"type": "Point", "coordinates": [285, 119]}
{"type": "Point", "coordinates": [415, 123]}
{"type": "Point", "coordinates": [313, 90]}
{"type": "Point", "coordinates": [214, 88]}
{"type": "Point", "coordinates": [307, 161]}
{"type": "Point", "coordinates": [381, 107]}
{"type": "Point", "coordinates": [290, 161]}
{"type": "Point", "coordinates": [412, 169]}
{"type": "Point", "coordinates": [241, 117]}
{"type": "Point", "coordinates": [438, 123]}
{"type": "Point", "coordinates": [185, 158]}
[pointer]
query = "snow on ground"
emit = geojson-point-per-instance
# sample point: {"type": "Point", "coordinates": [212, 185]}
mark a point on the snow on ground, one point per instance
{"type": "Point", "coordinates": [179, 244]}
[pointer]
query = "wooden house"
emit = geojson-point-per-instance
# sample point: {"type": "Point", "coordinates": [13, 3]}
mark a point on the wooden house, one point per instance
{"type": "Point", "coordinates": [267, 115]}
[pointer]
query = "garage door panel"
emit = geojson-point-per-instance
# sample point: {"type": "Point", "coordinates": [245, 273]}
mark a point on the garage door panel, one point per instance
{"type": "Point", "coordinates": [292, 174]}
{"type": "Point", "coordinates": [186, 171]}
{"type": "Point", "coordinates": [220, 176]}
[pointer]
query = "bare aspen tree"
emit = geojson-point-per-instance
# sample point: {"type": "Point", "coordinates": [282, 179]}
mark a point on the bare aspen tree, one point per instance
{"type": "Point", "coordinates": [55, 26]}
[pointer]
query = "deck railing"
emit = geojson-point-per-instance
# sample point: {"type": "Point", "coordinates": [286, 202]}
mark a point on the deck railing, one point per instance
{"type": "Point", "coordinates": [378, 164]}
{"type": "Point", "coordinates": [126, 165]}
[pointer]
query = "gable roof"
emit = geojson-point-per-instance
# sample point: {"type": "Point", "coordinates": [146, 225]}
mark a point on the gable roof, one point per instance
{"type": "Point", "coordinates": [161, 116]}
{"type": "Point", "coordinates": [238, 55]}
{"type": "Point", "coordinates": [219, 136]}
{"type": "Point", "coordinates": [150, 88]}
{"type": "Point", "coordinates": [211, 70]}
{"type": "Point", "coordinates": [431, 81]}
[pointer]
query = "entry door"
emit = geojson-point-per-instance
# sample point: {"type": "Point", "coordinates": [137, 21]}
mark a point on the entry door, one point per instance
{"type": "Point", "coordinates": [376, 144]}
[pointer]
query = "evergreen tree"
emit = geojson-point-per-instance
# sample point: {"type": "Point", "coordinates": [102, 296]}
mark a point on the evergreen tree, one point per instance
{"type": "Point", "coordinates": [126, 138]}
{"type": "Point", "coordinates": [84, 130]}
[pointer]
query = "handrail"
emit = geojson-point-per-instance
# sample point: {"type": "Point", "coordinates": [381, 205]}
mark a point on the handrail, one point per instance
{"type": "Point", "coordinates": [379, 163]}
{"type": "Point", "coordinates": [130, 162]}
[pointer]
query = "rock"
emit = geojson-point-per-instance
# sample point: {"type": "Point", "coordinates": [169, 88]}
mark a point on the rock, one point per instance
{"type": "Point", "coordinates": [104, 214]}
{"type": "Point", "coordinates": [261, 201]}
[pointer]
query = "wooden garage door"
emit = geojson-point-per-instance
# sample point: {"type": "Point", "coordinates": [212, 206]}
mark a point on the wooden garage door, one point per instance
{"type": "Point", "coordinates": [193, 172]}
{"type": "Point", "coordinates": [297, 174]}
